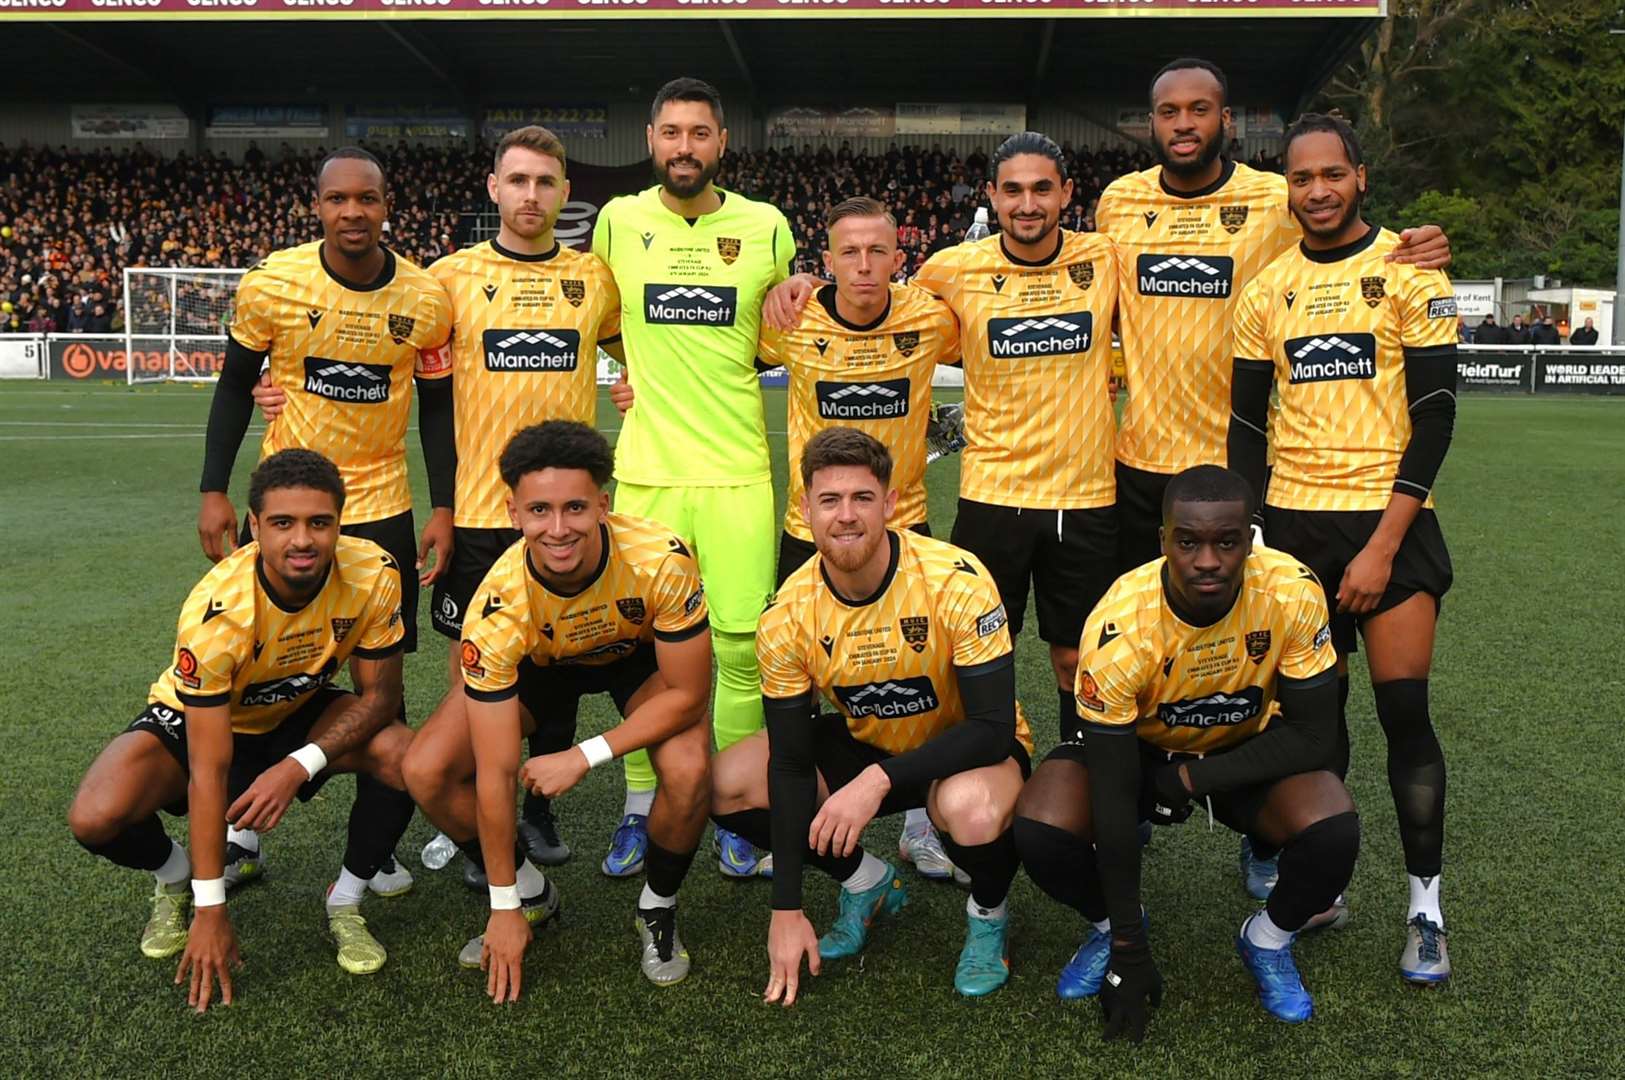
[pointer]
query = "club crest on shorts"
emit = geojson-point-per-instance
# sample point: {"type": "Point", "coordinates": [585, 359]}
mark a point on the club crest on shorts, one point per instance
{"type": "Point", "coordinates": [728, 248]}
{"type": "Point", "coordinates": [631, 609]}
{"type": "Point", "coordinates": [400, 327]}
{"type": "Point", "coordinates": [574, 291]}
{"type": "Point", "coordinates": [1232, 218]}
{"type": "Point", "coordinates": [1258, 645]}
{"type": "Point", "coordinates": [916, 629]}
{"type": "Point", "coordinates": [1372, 290]}
{"type": "Point", "coordinates": [906, 341]}
{"type": "Point", "coordinates": [1082, 274]}
{"type": "Point", "coordinates": [341, 629]}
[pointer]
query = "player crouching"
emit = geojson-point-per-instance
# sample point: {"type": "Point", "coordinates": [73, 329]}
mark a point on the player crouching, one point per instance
{"type": "Point", "coordinates": [1208, 673]}
{"type": "Point", "coordinates": [585, 602]}
{"type": "Point", "coordinates": [244, 720]}
{"type": "Point", "coordinates": [906, 638]}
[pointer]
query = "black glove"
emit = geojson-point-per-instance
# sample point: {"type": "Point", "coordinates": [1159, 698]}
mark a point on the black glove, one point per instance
{"type": "Point", "coordinates": [1132, 980]}
{"type": "Point", "coordinates": [1172, 802]}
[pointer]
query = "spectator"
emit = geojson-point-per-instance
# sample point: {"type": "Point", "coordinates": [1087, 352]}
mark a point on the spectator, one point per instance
{"type": "Point", "coordinates": [1464, 333]}
{"type": "Point", "coordinates": [1586, 335]}
{"type": "Point", "coordinates": [1488, 333]}
{"type": "Point", "coordinates": [1544, 332]}
{"type": "Point", "coordinates": [1518, 333]}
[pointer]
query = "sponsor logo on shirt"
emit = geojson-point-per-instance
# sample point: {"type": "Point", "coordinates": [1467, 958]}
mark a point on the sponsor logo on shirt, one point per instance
{"type": "Point", "coordinates": [1442, 308]}
{"type": "Point", "coordinates": [883, 399]}
{"type": "Point", "coordinates": [287, 688]}
{"type": "Point", "coordinates": [531, 350]}
{"type": "Point", "coordinates": [1202, 276]}
{"type": "Point", "coordinates": [990, 623]}
{"type": "Point", "coordinates": [690, 305]}
{"type": "Point", "coordinates": [340, 380]}
{"type": "Point", "coordinates": [891, 699]}
{"type": "Point", "coordinates": [1330, 357]}
{"type": "Point", "coordinates": [1215, 710]}
{"type": "Point", "coordinates": [1041, 335]}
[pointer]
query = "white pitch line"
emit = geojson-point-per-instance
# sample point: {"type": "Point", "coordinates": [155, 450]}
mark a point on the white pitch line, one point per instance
{"type": "Point", "coordinates": [97, 424]}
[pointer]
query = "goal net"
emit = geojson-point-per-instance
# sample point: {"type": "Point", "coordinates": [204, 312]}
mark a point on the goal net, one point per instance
{"type": "Point", "coordinates": [176, 322]}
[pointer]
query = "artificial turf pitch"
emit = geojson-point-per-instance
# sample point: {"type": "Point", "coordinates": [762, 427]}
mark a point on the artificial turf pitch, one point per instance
{"type": "Point", "coordinates": [97, 503]}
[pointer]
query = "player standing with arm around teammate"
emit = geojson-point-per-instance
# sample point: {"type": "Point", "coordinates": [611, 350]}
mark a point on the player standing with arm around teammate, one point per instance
{"type": "Point", "coordinates": [693, 263]}
{"type": "Point", "coordinates": [1363, 353]}
{"type": "Point", "coordinates": [905, 637]}
{"type": "Point", "coordinates": [1206, 673]}
{"type": "Point", "coordinates": [245, 719]}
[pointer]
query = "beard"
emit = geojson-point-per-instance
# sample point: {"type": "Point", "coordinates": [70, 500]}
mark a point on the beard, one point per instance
{"type": "Point", "coordinates": [1351, 211]}
{"type": "Point", "coordinates": [850, 558]}
{"type": "Point", "coordinates": [686, 189]}
{"type": "Point", "coordinates": [1205, 158]}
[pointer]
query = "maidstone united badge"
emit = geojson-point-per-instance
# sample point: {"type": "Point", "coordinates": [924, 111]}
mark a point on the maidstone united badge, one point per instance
{"type": "Point", "coordinates": [728, 248]}
{"type": "Point", "coordinates": [906, 342]}
{"type": "Point", "coordinates": [631, 609]}
{"type": "Point", "coordinates": [916, 628]}
{"type": "Point", "coordinates": [1258, 645]}
{"type": "Point", "coordinates": [1372, 290]}
{"type": "Point", "coordinates": [1082, 274]}
{"type": "Point", "coordinates": [400, 327]}
{"type": "Point", "coordinates": [574, 291]}
{"type": "Point", "coordinates": [341, 629]}
{"type": "Point", "coordinates": [1232, 218]}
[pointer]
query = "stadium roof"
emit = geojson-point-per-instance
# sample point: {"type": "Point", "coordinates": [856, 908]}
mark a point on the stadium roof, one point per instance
{"type": "Point", "coordinates": [1274, 60]}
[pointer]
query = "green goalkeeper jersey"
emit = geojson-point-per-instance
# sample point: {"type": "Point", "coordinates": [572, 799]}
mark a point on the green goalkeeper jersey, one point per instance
{"type": "Point", "coordinates": [691, 308]}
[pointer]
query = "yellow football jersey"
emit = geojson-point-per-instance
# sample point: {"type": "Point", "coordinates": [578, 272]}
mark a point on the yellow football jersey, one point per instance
{"type": "Point", "coordinates": [1194, 689]}
{"type": "Point", "coordinates": [523, 349]}
{"type": "Point", "coordinates": [876, 378]}
{"type": "Point", "coordinates": [1036, 339]}
{"type": "Point", "coordinates": [1336, 326]}
{"type": "Point", "coordinates": [1182, 262]}
{"type": "Point", "coordinates": [887, 664]}
{"type": "Point", "coordinates": [345, 357]}
{"type": "Point", "coordinates": [236, 644]}
{"type": "Point", "coordinates": [647, 587]}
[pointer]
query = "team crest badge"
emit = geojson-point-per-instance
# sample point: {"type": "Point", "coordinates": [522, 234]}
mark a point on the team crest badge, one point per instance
{"type": "Point", "coordinates": [1232, 218]}
{"type": "Point", "coordinates": [728, 248]}
{"type": "Point", "coordinates": [400, 327]}
{"type": "Point", "coordinates": [916, 628]}
{"type": "Point", "coordinates": [341, 629]}
{"type": "Point", "coordinates": [1258, 645]}
{"type": "Point", "coordinates": [574, 291]}
{"type": "Point", "coordinates": [1082, 274]}
{"type": "Point", "coordinates": [631, 609]}
{"type": "Point", "coordinates": [906, 342]}
{"type": "Point", "coordinates": [1372, 290]}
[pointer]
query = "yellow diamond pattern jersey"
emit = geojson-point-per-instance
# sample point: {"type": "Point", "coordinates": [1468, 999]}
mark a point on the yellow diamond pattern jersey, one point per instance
{"type": "Point", "coordinates": [1337, 334]}
{"type": "Point", "coordinates": [691, 312]}
{"type": "Point", "coordinates": [1182, 263]}
{"type": "Point", "coordinates": [523, 349]}
{"type": "Point", "coordinates": [1037, 346]}
{"type": "Point", "coordinates": [345, 357]}
{"type": "Point", "coordinates": [1194, 690]}
{"type": "Point", "coordinates": [887, 665]}
{"type": "Point", "coordinates": [647, 588]}
{"type": "Point", "coordinates": [875, 378]}
{"type": "Point", "coordinates": [237, 645]}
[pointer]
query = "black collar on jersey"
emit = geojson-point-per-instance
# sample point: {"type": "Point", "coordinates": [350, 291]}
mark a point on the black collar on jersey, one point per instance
{"type": "Point", "coordinates": [384, 277]}
{"type": "Point", "coordinates": [1060, 242]}
{"type": "Point", "coordinates": [271, 593]}
{"type": "Point", "coordinates": [826, 297]}
{"type": "Point", "coordinates": [521, 257]}
{"type": "Point", "coordinates": [1173, 604]}
{"type": "Point", "coordinates": [885, 582]}
{"type": "Point", "coordinates": [1225, 174]}
{"type": "Point", "coordinates": [1338, 254]}
{"type": "Point", "coordinates": [598, 571]}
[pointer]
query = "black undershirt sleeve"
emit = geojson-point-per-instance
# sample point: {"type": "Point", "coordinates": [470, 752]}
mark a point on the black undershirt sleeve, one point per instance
{"type": "Point", "coordinates": [989, 693]}
{"type": "Point", "coordinates": [1247, 444]}
{"type": "Point", "coordinates": [229, 414]}
{"type": "Point", "coordinates": [436, 430]}
{"type": "Point", "coordinates": [1430, 389]}
{"type": "Point", "coordinates": [792, 790]}
{"type": "Point", "coordinates": [1300, 740]}
{"type": "Point", "coordinates": [1114, 804]}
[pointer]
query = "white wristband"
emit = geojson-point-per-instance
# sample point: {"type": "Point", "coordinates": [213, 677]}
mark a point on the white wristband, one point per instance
{"type": "Point", "coordinates": [210, 893]}
{"type": "Point", "coordinates": [597, 751]}
{"type": "Point", "coordinates": [310, 758]}
{"type": "Point", "coordinates": [504, 897]}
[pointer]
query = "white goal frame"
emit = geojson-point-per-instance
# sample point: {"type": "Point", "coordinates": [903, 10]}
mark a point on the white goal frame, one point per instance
{"type": "Point", "coordinates": [168, 339]}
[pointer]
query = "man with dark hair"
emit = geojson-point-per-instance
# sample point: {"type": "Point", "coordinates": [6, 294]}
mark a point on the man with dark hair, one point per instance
{"type": "Point", "coordinates": [1519, 333]}
{"type": "Point", "coordinates": [1207, 673]}
{"type": "Point", "coordinates": [1367, 403]}
{"type": "Point", "coordinates": [1488, 333]}
{"type": "Point", "coordinates": [245, 719]}
{"type": "Point", "coordinates": [905, 637]}
{"type": "Point", "coordinates": [343, 322]}
{"type": "Point", "coordinates": [585, 602]}
{"type": "Point", "coordinates": [1545, 332]}
{"type": "Point", "coordinates": [693, 263]}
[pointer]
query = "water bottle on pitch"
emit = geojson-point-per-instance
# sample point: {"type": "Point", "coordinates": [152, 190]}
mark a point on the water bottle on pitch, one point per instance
{"type": "Point", "coordinates": [438, 852]}
{"type": "Point", "coordinates": [978, 229]}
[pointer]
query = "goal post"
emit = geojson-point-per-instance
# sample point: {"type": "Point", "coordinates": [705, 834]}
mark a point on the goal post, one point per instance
{"type": "Point", "coordinates": [176, 322]}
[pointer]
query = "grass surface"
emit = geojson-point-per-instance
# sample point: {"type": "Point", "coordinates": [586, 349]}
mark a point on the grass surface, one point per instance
{"type": "Point", "coordinates": [97, 499]}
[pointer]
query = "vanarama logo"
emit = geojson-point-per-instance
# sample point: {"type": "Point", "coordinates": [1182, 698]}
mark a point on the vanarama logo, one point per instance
{"type": "Point", "coordinates": [1330, 357]}
{"type": "Point", "coordinates": [107, 358]}
{"type": "Point", "coordinates": [1206, 276]}
{"type": "Point", "coordinates": [531, 350]}
{"type": "Point", "coordinates": [338, 380]}
{"type": "Point", "coordinates": [883, 399]}
{"type": "Point", "coordinates": [1042, 335]}
{"type": "Point", "coordinates": [690, 305]}
{"type": "Point", "coordinates": [892, 699]}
